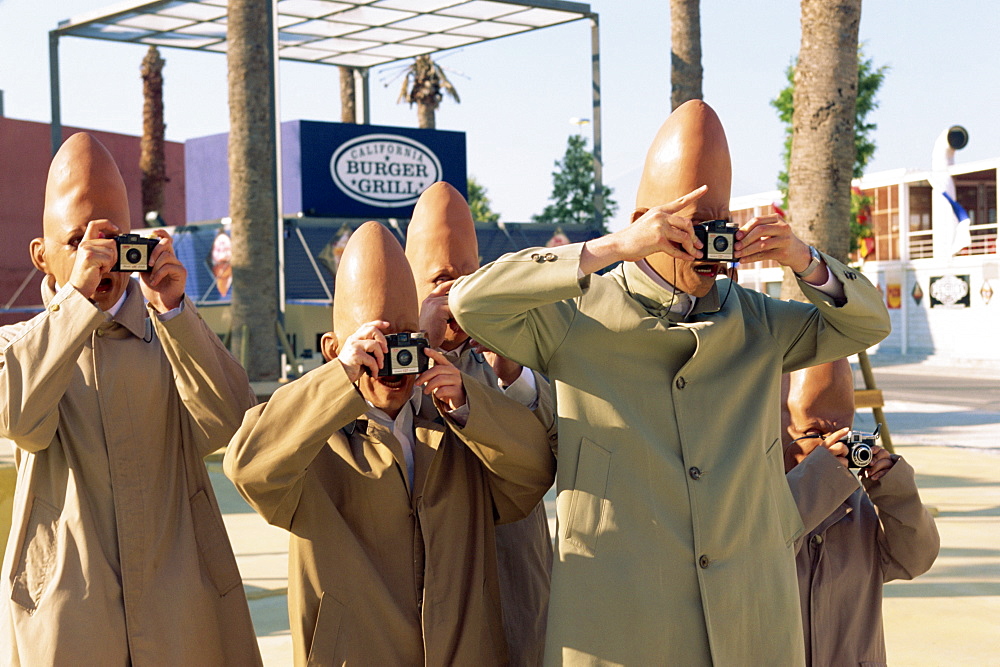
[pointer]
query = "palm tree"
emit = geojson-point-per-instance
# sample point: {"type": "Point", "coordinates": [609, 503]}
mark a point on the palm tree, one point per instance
{"type": "Point", "coordinates": [348, 111]}
{"type": "Point", "coordinates": [151, 154]}
{"type": "Point", "coordinates": [424, 85]}
{"type": "Point", "coordinates": [823, 151]}
{"type": "Point", "coordinates": [685, 52]}
{"type": "Point", "coordinates": [252, 201]}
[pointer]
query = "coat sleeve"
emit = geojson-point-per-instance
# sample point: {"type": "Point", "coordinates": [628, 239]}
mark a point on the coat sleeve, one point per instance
{"type": "Point", "coordinates": [908, 540]}
{"type": "Point", "coordinates": [545, 411]}
{"type": "Point", "coordinates": [513, 447]}
{"type": "Point", "coordinates": [819, 484]}
{"type": "Point", "coordinates": [824, 329]}
{"type": "Point", "coordinates": [37, 362]}
{"type": "Point", "coordinates": [268, 457]}
{"type": "Point", "coordinates": [210, 382]}
{"type": "Point", "coordinates": [520, 304]}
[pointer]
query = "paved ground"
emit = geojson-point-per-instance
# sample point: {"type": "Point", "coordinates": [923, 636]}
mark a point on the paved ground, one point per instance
{"type": "Point", "coordinates": [949, 616]}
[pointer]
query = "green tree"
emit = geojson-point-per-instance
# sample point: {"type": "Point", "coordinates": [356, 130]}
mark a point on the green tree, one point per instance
{"type": "Point", "coordinates": [479, 203]}
{"type": "Point", "coordinates": [573, 189]}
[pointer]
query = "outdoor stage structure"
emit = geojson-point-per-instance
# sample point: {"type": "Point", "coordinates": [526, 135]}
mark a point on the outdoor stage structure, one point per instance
{"type": "Point", "coordinates": [352, 33]}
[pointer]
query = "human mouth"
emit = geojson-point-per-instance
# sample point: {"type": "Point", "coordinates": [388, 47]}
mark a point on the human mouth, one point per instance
{"type": "Point", "coordinates": [104, 285]}
{"type": "Point", "coordinates": [709, 270]}
{"type": "Point", "coordinates": [392, 381]}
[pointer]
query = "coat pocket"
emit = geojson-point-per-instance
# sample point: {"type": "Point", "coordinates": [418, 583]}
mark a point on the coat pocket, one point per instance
{"type": "Point", "coordinates": [323, 648]}
{"type": "Point", "coordinates": [38, 555]}
{"type": "Point", "coordinates": [584, 518]}
{"type": "Point", "coordinates": [213, 545]}
{"type": "Point", "coordinates": [781, 495]}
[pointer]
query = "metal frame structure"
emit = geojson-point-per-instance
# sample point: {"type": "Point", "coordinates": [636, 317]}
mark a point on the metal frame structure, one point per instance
{"type": "Point", "coordinates": [352, 33]}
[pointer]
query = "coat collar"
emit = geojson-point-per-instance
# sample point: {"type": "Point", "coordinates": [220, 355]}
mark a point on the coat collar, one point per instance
{"type": "Point", "coordinates": [132, 315]}
{"type": "Point", "coordinates": [656, 299]}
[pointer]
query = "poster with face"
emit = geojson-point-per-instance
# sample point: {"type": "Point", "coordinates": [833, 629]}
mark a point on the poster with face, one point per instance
{"type": "Point", "coordinates": [220, 262]}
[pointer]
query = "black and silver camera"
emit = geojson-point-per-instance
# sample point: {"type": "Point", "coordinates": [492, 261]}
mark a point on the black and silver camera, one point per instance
{"type": "Point", "coordinates": [406, 354]}
{"type": "Point", "coordinates": [133, 253]}
{"type": "Point", "coordinates": [859, 447]}
{"type": "Point", "coordinates": [718, 238]}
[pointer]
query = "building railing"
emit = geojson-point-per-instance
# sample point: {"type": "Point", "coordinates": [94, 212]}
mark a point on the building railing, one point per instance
{"type": "Point", "coordinates": [984, 242]}
{"type": "Point", "coordinates": [921, 244]}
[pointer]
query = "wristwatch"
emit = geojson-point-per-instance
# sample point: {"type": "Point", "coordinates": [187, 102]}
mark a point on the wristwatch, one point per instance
{"type": "Point", "coordinates": [814, 262]}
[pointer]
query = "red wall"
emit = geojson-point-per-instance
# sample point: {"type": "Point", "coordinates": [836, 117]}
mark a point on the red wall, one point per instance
{"type": "Point", "coordinates": [25, 152]}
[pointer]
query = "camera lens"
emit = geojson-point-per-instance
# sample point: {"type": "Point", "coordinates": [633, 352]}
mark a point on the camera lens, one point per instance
{"type": "Point", "coordinates": [720, 243]}
{"type": "Point", "coordinates": [404, 357]}
{"type": "Point", "coordinates": [133, 255]}
{"type": "Point", "coordinates": [860, 455]}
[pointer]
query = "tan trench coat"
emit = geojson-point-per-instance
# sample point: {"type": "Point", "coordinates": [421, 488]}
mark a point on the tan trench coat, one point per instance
{"type": "Point", "coordinates": [676, 527]}
{"type": "Point", "coordinates": [856, 539]}
{"type": "Point", "coordinates": [118, 554]}
{"type": "Point", "coordinates": [524, 548]}
{"type": "Point", "coordinates": [380, 574]}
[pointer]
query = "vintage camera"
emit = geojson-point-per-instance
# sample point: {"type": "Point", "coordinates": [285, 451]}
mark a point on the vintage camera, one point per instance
{"type": "Point", "coordinates": [133, 253]}
{"type": "Point", "coordinates": [718, 238]}
{"type": "Point", "coordinates": [406, 354]}
{"type": "Point", "coordinates": [859, 447]}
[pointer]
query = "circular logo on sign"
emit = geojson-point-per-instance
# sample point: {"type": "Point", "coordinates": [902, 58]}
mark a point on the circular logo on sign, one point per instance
{"type": "Point", "coordinates": [385, 170]}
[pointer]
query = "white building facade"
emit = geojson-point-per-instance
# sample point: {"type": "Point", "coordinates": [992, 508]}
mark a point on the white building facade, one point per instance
{"type": "Point", "coordinates": [940, 276]}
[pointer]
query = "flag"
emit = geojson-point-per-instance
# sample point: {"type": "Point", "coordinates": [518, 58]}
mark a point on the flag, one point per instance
{"type": "Point", "coordinates": [963, 235]}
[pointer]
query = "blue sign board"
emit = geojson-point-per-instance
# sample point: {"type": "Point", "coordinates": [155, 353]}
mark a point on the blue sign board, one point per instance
{"type": "Point", "coordinates": [335, 170]}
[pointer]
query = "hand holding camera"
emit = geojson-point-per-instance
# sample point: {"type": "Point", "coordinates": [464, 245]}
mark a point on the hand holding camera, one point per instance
{"type": "Point", "coordinates": [95, 255]}
{"type": "Point", "coordinates": [443, 381]}
{"type": "Point", "coordinates": [164, 280]}
{"type": "Point", "coordinates": [771, 237]}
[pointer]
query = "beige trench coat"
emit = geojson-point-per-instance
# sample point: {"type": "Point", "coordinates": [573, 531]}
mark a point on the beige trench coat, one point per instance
{"type": "Point", "coordinates": [524, 548]}
{"type": "Point", "coordinates": [380, 574]}
{"type": "Point", "coordinates": [118, 554]}
{"type": "Point", "coordinates": [856, 539]}
{"type": "Point", "coordinates": [676, 527]}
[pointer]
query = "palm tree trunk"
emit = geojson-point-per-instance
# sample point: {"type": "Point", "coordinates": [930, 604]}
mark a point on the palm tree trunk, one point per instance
{"type": "Point", "coordinates": [348, 111]}
{"type": "Point", "coordinates": [425, 116]}
{"type": "Point", "coordinates": [252, 201]}
{"type": "Point", "coordinates": [152, 161]}
{"type": "Point", "coordinates": [822, 160]}
{"type": "Point", "coordinates": [685, 52]}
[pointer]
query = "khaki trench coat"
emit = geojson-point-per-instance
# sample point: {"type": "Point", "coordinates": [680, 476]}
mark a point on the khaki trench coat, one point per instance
{"type": "Point", "coordinates": [856, 539]}
{"type": "Point", "coordinates": [524, 548]}
{"type": "Point", "coordinates": [380, 574]}
{"type": "Point", "coordinates": [676, 527]}
{"type": "Point", "coordinates": [118, 554]}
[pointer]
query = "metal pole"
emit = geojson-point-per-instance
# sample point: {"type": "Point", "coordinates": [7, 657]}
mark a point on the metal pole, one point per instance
{"type": "Point", "coordinates": [595, 64]}
{"type": "Point", "coordinates": [366, 118]}
{"type": "Point", "coordinates": [56, 125]}
{"type": "Point", "coordinates": [279, 206]}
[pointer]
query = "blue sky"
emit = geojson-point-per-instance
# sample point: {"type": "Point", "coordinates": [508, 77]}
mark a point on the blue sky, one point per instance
{"type": "Point", "coordinates": [519, 93]}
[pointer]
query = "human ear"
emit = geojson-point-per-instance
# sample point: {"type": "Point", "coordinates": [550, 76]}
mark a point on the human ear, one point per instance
{"type": "Point", "coordinates": [36, 248]}
{"type": "Point", "coordinates": [330, 346]}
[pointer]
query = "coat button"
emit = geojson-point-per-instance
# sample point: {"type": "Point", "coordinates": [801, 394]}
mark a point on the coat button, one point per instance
{"type": "Point", "coordinates": [817, 540]}
{"type": "Point", "coordinates": [100, 332]}
{"type": "Point", "coordinates": [537, 258]}
{"type": "Point", "coordinates": [550, 257]}
{"type": "Point", "coordinates": [54, 307]}
{"type": "Point", "coordinates": [694, 472]}
{"type": "Point", "coordinates": [681, 382]}
{"type": "Point", "coordinates": [703, 562]}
